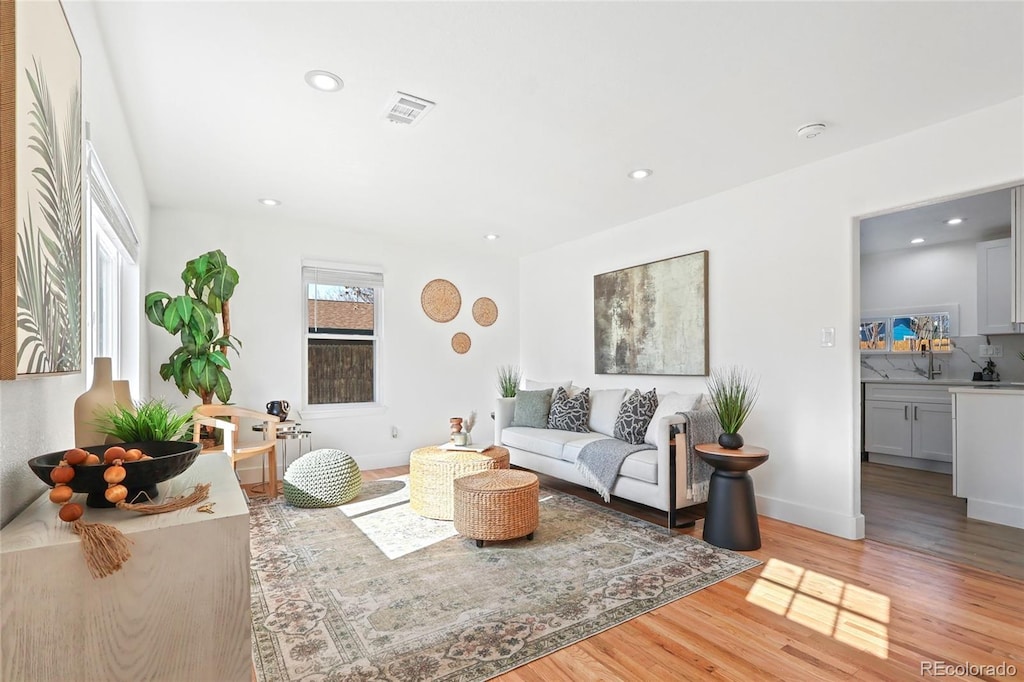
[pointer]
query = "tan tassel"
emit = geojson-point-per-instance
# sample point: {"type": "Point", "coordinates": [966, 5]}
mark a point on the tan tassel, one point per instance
{"type": "Point", "coordinates": [199, 493]}
{"type": "Point", "coordinates": [105, 547]}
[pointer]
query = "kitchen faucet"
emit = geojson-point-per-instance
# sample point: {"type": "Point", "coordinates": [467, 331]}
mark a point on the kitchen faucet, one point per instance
{"type": "Point", "coordinates": [926, 349]}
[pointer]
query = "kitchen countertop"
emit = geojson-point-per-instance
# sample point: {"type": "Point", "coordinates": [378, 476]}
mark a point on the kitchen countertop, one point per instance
{"type": "Point", "coordinates": [935, 382]}
{"type": "Point", "coordinates": [990, 387]}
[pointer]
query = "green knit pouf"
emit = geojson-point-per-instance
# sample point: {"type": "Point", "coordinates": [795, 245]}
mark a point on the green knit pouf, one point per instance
{"type": "Point", "coordinates": [322, 478]}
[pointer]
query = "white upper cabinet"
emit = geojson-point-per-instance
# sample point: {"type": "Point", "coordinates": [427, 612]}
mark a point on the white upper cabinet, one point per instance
{"type": "Point", "coordinates": [995, 286]}
{"type": "Point", "coordinates": [1017, 249]}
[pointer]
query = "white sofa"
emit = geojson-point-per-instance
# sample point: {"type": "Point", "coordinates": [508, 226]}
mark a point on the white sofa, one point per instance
{"type": "Point", "coordinates": [644, 476]}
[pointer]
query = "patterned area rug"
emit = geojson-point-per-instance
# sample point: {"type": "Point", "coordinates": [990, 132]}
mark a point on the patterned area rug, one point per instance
{"type": "Point", "coordinates": [371, 591]}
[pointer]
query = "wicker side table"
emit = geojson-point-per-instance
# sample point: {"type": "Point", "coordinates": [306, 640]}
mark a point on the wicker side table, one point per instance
{"type": "Point", "coordinates": [497, 505]}
{"type": "Point", "coordinates": [432, 472]}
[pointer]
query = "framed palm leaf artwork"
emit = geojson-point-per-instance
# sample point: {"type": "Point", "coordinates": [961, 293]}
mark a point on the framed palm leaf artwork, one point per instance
{"type": "Point", "coordinates": [40, 191]}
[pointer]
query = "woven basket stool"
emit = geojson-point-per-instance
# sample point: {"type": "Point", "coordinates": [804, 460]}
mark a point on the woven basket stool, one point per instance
{"type": "Point", "coordinates": [322, 478]}
{"type": "Point", "coordinates": [497, 505]}
{"type": "Point", "coordinates": [432, 471]}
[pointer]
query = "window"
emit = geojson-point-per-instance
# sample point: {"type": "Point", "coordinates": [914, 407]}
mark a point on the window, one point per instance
{"type": "Point", "coordinates": [342, 334]}
{"type": "Point", "coordinates": [112, 277]}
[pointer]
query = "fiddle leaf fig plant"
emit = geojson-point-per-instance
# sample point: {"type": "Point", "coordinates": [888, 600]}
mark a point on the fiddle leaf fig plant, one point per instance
{"type": "Point", "coordinates": [201, 318]}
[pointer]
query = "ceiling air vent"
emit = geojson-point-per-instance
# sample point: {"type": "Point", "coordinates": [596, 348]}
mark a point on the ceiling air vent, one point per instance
{"type": "Point", "coordinates": [407, 109]}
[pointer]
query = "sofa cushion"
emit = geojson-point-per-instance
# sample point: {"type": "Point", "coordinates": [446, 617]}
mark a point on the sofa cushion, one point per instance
{"type": "Point", "coordinates": [670, 403]}
{"type": "Point", "coordinates": [547, 442]}
{"type": "Point", "coordinates": [570, 414]}
{"type": "Point", "coordinates": [604, 408]}
{"type": "Point", "coordinates": [531, 408]}
{"type": "Point", "coordinates": [635, 415]}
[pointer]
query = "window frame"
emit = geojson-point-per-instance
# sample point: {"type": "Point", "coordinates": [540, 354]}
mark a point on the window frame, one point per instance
{"type": "Point", "coordinates": [108, 228]}
{"type": "Point", "coordinates": [341, 271]}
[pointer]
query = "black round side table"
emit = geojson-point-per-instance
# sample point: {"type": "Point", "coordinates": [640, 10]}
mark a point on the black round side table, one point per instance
{"type": "Point", "coordinates": [731, 520]}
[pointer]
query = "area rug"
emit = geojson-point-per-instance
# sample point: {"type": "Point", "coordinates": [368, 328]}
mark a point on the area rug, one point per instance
{"type": "Point", "coordinates": [371, 591]}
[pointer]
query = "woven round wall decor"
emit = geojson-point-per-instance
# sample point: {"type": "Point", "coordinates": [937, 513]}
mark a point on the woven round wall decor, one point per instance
{"type": "Point", "coordinates": [441, 300]}
{"type": "Point", "coordinates": [485, 311]}
{"type": "Point", "coordinates": [461, 343]}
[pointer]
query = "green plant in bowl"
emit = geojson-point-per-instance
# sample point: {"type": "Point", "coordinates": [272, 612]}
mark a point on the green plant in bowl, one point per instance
{"type": "Point", "coordinates": [732, 393]}
{"type": "Point", "coordinates": [508, 380]}
{"type": "Point", "coordinates": [152, 420]}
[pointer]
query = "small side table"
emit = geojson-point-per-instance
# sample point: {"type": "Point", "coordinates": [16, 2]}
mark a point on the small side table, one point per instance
{"type": "Point", "coordinates": [287, 431]}
{"type": "Point", "coordinates": [731, 519]}
{"type": "Point", "coordinates": [432, 474]}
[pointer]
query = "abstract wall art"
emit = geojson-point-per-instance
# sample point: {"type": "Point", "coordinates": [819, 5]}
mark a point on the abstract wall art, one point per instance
{"type": "Point", "coordinates": [653, 318]}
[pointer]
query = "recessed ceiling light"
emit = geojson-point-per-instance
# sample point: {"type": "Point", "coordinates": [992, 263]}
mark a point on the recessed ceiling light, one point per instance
{"type": "Point", "coordinates": [954, 221]}
{"type": "Point", "coordinates": [491, 237]}
{"type": "Point", "coordinates": [269, 202]}
{"type": "Point", "coordinates": [641, 173]}
{"type": "Point", "coordinates": [917, 240]}
{"type": "Point", "coordinates": [324, 80]}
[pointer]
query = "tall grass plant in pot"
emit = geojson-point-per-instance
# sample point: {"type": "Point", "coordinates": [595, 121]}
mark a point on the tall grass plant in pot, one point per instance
{"type": "Point", "coordinates": [509, 377]}
{"type": "Point", "coordinates": [732, 391]}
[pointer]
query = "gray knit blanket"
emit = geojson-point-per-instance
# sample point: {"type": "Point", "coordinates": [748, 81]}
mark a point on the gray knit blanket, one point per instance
{"type": "Point", "coordinates": [600, 461]}
{"type": "Point", "coordinates": [702, 426]}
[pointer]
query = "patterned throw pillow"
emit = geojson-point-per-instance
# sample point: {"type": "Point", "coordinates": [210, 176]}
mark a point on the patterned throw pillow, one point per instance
{"type": "Point", "coordinates": [570, 414]}
{"type": "Point", "coordinates": [634, 416]}
{"type": "Point", "coordinates": [532, 408]}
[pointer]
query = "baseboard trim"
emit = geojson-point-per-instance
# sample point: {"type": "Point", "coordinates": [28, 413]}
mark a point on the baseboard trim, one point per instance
{"type": "Point", "coordinates": [995, 512]}
{"type": "Point", "coordinates": [251, 471]}
{"type": "Point", "coordinates": [848, 527]}
{"type": "Point", "coordinates": [911, 463]}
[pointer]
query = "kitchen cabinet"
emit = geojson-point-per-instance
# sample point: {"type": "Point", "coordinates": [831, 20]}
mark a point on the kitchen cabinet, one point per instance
{"type": "Point", "coordinates": [1017, 251]}
{"type": "Point", "coordinates": [988, 455]}
{"type": "Point", "coordinates": [995, 287]}
{"type": "Point", "coordinates": [909, 425]}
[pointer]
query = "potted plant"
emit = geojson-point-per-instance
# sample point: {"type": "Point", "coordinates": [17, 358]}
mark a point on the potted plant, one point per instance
{"type": "Point", "coordinates": [733, 392]}
{"type": "Point", "coordinates": [199, 364]}
{"type": "Point", "coordinates": [152, 420]}
{"type": "Point", "coordinates": [508, 380]}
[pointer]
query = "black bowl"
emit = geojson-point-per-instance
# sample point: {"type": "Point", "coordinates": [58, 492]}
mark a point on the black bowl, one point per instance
{"type": "Point", "coordinates": [170, 458]}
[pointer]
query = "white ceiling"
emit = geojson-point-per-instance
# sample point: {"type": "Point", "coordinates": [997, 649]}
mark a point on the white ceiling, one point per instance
{"type": "Point", "coordinates": [985, 216]}
{"type": "Point", "coordinates": [542, 107]}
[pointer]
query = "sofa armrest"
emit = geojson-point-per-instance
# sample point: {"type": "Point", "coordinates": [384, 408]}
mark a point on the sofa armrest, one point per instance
{"type": "Point", "coordinates": [666, 426]}
{"type": "Point", "coordinates": [504, 409]}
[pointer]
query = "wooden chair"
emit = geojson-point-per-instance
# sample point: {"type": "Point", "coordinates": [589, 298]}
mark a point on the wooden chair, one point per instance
{"type": "Point", "coordinates": [234, 446]}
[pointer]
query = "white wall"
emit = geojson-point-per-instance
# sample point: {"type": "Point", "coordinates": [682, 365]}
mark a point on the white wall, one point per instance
{"type": "Point", "coordinates": [424, 382]}
{"type": "Point", "coordinates": [927, 276]}
{"type": "Point", "coordinates": [784, 255]}
{"type": "Point", "coordinates": [36, 414]}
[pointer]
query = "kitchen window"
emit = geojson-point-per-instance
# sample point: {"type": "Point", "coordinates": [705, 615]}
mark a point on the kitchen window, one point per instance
{"type": "Point", "coordinates": [343, 335]}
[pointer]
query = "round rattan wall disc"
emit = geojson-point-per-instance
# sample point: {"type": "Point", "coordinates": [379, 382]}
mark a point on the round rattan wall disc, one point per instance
{"type": "Point", "coordinates": [441, 300]}
{"type": "Point", "coordinates": [461, 343]}
{"type": "Point", "coordinates": [485, 312]}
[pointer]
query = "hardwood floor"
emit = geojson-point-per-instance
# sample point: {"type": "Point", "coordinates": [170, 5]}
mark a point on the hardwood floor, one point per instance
{"type": "Point", "coordinates": [819, 608]}
{"type": "Point", "coordinates": [916, 509]}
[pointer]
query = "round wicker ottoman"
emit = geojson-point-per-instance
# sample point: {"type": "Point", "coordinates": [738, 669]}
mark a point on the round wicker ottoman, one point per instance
{"type": "Point", "coordinates": [322, 478]}
{"type": "Point", "coordinates": [497, 505]}
{"type": "Point", "coordinates": [432, 471]}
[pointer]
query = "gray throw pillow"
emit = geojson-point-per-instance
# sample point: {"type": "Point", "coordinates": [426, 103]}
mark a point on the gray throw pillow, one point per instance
{"type": "Point", "coordinates": [570, 414]}
{"type": "Point", "coordinates": [531, 408]}
{"type": "Point", "coordinates": [634, 416]}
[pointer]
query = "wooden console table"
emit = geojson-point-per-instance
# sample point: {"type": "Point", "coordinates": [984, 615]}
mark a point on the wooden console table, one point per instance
{"type": "Point", "coordinates": [177, 610]}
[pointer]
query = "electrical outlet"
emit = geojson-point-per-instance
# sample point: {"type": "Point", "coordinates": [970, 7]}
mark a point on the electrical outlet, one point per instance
{"type": "Point", "coordinates": [984, 351]}
{"type": "Point", "coordinates": [828, 337]}
{"type": "Point", "coordinates": [995, 351]}
{"type": "Point", "coordinates": [394, 432]}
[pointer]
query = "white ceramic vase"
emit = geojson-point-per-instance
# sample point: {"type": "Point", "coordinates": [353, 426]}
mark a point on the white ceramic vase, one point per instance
{"type": "Point", "coordinates": [90, 405]}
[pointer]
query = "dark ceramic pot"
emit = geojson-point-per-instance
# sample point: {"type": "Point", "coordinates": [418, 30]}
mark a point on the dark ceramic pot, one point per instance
{"type": "Point", "coordinates": [731, 441]}
{"type": "Point", "coordinates": [278, 408]}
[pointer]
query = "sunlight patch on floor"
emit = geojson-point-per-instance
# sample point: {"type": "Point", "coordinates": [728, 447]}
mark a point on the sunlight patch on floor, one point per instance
{"type": "Point", "coordinates": [850, 614]}
{"type": "Point", "coordinates": [383, 514]}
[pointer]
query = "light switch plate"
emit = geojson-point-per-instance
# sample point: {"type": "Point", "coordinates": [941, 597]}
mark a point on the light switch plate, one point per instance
{"type": "Point", "coordinates": [828, 337]}
{"type": "Point", "coordinates": [995, 351]}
